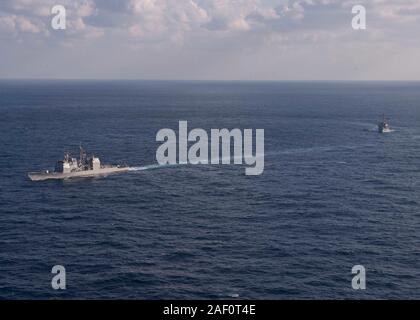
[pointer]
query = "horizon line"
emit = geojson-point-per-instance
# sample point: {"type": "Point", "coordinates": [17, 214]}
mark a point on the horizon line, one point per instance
{"type": "Point", "coordinates": [204, 80]}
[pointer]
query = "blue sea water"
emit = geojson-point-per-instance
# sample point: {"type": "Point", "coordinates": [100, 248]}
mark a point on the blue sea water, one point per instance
{"type": "Point", "coordinates": [334, 192]}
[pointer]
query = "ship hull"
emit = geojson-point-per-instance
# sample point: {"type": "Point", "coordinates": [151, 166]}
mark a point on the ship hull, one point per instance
{"type": "Point", "coordinates": [383, 130]}
{"type": "Point", "coordinates": [78, 174]}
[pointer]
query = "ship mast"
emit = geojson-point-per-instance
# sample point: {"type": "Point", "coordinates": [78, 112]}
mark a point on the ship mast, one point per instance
{"type": "Point", "coordinates": [82, 156]}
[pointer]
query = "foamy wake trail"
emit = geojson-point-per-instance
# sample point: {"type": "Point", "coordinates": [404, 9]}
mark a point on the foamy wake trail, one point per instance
{"type": "Point", "coordinates": [266, 155]}
{"type": "Point", "coordinates": [149, 167]}
{"type": "Point", "coordinates": [232, 159]}
{"type": "Point", "coordinates": [154, 166]}
{"type": "Point", "coordinates": [159, 166]}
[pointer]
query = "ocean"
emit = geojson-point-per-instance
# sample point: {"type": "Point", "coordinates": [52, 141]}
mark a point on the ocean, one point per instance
{"type": "Point", "coordinates": [334, 193]}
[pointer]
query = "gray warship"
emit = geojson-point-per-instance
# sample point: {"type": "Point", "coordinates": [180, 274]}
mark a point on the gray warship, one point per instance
{"type": "Point", "coordinates": [73, 168]}
{"type": "Point", "coordinates": [383, 126]}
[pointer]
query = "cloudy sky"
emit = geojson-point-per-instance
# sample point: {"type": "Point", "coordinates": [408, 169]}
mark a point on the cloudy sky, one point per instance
{"type": "Point", "coordinates": [211, 39]}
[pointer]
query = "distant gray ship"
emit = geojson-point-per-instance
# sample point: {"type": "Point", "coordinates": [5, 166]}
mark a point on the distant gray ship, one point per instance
{"type": "Point", "coordinates": [72, 168]}
{"type": "Point", "coordinates": [383, 126]}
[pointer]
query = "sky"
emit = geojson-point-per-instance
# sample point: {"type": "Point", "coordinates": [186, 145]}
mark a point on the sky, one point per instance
{"type": "Point", "coordinates": [210, 40]}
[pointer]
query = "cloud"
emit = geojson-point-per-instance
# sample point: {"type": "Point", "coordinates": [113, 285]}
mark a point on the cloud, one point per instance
{"type": "Point", "coordinates": [34, 16]}
{"type": "Point", "coordinates": [217, 34]}
{"type": "Point", "coordinates": [12, 25]}
{"type": "Point", "coordinates": [163, 20]}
